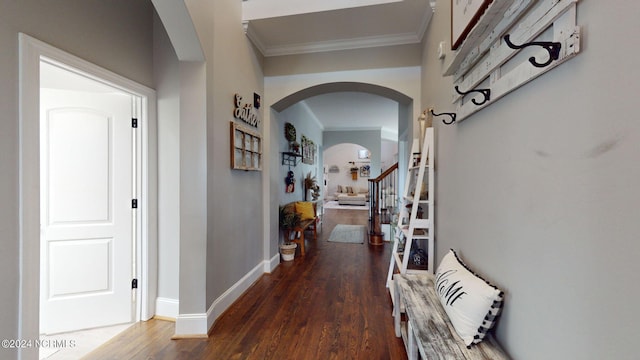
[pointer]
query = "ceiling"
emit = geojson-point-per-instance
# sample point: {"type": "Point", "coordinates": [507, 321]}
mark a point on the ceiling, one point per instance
{"type": "Point", "coordinates": [355, 111]}
{"type": "Point", "coordinates": [308, 29]}
{"type": "Point", "coordinates": [290, 27]}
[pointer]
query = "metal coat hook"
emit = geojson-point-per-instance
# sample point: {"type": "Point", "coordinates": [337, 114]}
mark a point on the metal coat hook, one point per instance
{"type": "Point", "coordinates": [452, 115]}
{"type": "Point", "coordinates": [552, 47]}
{"type": "Point", "coordinates": [485, 92]}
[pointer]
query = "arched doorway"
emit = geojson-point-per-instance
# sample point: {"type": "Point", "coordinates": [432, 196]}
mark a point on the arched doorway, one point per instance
{"type": "Point", "coordinates": [405, 110]}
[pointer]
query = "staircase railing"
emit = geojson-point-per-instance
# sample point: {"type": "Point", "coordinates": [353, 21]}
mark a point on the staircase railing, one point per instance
{"type": "Point", "coordinates": [383, 200]}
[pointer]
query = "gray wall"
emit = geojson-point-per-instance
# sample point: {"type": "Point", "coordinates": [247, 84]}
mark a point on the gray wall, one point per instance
{"type": "Point", "coordinates": [221, 239]}
{"type": "Point", "coordinates": [539, 192]}
{"type": "Point", "coordinates": [388, 153]}
{"type": "Point", "coordinates": [115, 35]}
{"type": "Point", "coordinates": [167, 80]}
{"type": "Point", "coordinates": [234, 197]}
{"type": "Point", "coordinates": [305, 124]}
{"type": "Point", "coordinates": [343, 60]}
{"type": "Point", "coordinates": [184, 95]}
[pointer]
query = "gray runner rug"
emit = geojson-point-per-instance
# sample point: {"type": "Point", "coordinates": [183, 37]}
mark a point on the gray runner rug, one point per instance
{"type": "Point", "coordinates": [348, 234]}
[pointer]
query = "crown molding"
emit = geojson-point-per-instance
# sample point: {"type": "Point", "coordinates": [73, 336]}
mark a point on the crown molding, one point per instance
{"type": "Point", "coordinates": [254, 37]}
{"type": "Point", "coordinates": [334, 45]}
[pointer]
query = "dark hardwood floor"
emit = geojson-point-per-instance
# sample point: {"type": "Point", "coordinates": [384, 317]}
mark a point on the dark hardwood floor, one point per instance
{"type": "Point", "coordinates": [330, 304]}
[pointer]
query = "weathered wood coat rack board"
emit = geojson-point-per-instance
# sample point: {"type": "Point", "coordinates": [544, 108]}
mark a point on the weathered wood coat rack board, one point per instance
{"type": "Point", "coordinates": [480, 59]}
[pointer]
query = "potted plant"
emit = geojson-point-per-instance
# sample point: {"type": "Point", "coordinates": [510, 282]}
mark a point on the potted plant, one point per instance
{"type": "Point", "coordinates": [288, 220]}
{"type": "Point", "coordinates": [311, 186]}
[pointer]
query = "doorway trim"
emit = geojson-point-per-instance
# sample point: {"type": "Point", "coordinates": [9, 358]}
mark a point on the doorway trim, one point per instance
{"type": "Point", "coordinates": [31, 51]}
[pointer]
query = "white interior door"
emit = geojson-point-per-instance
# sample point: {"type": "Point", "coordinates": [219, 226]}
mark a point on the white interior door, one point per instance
{"type": "Point", "coordinates": [87, 186]}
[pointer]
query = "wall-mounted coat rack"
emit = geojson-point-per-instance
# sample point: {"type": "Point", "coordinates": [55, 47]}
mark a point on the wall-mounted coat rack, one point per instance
{"type": "Point", "coordinates": [552, 47]}
{"type": "Point", "coordinates": [485, 92]}
{"type": "Point", "coordinates": [451, 115]}
{"type": "Point", "coordinates": [479, 61]}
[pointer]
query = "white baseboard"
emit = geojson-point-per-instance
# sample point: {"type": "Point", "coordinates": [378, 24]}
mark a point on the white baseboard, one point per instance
{"type": "Point", "coordinates": [198, 325]}
{"type": "Point", "coordinates": [232, 294]}
{"type": "Point", "coordinates": [168, 308]}
{"type": "Point", "coordinates": [191, 325]}
{"type": "Point", "coordinates": [272, 264]}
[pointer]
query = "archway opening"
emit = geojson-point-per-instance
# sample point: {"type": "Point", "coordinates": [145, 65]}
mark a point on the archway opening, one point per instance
{"type": "Point", "coordinates": [362, 134]}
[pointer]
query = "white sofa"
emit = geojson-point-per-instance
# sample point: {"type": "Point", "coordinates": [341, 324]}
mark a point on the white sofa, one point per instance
{"type": "Point", "coordinates": [352, 199]}
{"type": "Point", "coordinates": [345, 190]}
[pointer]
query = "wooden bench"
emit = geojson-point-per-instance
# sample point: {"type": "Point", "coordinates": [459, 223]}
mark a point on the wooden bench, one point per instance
{"type": "Point", "coordinates": [310, 224]}
{"type": "Point", "coordinates": [427, 330]}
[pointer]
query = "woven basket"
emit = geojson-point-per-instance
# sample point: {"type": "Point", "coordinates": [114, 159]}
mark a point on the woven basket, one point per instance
{"type": "Point", "coordinates": [288, 251]}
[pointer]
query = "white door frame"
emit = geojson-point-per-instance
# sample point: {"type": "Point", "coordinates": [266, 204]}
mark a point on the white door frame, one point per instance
{"type": "Point", "coordinates": [31, 51]}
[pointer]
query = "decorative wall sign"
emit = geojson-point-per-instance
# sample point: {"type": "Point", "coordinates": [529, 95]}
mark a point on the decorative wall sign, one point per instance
{"type": "Point", "coordinates": [246, 148]}
{"type": "Point", "coordinates": [464, 16]}
{"type": "Point", "coordinates": [289, 132]}
{"type": "Point", "coordinates": [308, 150]}
{"type": "Point", "coordinates": [245, 112]}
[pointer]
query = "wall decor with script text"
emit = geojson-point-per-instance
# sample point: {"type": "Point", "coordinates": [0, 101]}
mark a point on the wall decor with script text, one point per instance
{"type": "Point", "coordinates": [246, 148]}
{"type": "Point", "coordinates": [246, 112]}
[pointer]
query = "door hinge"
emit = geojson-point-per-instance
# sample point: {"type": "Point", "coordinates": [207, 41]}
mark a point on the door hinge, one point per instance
{"type": "Point", "coordinates": [134, 283]}
{"type": "Point", "coordinates": [134, 123]}
{"type": "Point", "coordinates": [134, 203]}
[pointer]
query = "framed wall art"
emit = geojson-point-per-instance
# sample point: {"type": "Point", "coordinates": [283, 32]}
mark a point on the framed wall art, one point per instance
{"type": "Point", "coordinates": [365, 170]}
{"type": "Point", "coordinates": [308, 150]}
{"type": "Point", "coordinates": [464, 16]}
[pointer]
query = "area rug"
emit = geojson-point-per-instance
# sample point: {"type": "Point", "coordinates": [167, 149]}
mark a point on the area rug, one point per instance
{"type": "Point", "coordinates": [348, 234]}
{"type": "Point", "coordinates": [333, 204]}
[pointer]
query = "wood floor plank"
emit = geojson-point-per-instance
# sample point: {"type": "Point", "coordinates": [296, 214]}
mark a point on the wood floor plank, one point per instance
{"type": "Point", "coordinates": [330, 304]}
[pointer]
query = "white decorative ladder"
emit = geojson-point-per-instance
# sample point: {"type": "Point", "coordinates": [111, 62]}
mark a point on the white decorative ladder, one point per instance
{"type": "Point", "coordinates": [410, 226]}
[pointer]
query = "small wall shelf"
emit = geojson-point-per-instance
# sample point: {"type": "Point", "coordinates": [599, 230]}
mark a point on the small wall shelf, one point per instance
{"type": "Point", "coordinates": [290, 158]}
